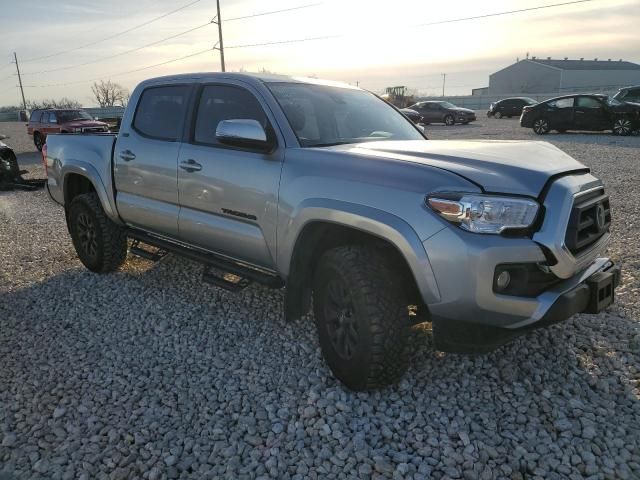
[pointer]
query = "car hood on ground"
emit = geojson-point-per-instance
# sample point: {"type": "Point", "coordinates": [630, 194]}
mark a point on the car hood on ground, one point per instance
{"type": "Point", "coordinates": [498, 166]}
{"type": "Point", "coordinates": [84, 124]}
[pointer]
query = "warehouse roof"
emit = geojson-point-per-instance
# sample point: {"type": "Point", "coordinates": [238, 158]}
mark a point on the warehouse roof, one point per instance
{"type": "Point", "coordinates": [587, 64]}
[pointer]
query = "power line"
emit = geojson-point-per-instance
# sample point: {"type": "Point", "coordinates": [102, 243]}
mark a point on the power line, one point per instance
{"type": "Point", "coordinates": [108, 57]}
{"type": "Point", "coordinates": [114, 35]}
{"type": "Point", "coordinates": [298, 40]}
{"type": "Point", "coordinates": [122, 73]}
{"type": "Point", "coordinates": [273, 12]}
{"type": "Point", "coordinates": [497, 14]}
{"type": "Point", "coordinates": [171, 37]}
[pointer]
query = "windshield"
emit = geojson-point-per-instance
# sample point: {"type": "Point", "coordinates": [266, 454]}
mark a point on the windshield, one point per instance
{"type": "Point", "coordinates": [65, 116]}
{"type": "Point", "coordinates": [529, 101]}
{"type": "Point", "coordinates": [322, 115]}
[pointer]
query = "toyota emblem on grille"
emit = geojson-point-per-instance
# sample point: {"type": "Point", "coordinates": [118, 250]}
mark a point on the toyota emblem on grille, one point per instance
{"type": "Point", "coordinates": [600, 217]}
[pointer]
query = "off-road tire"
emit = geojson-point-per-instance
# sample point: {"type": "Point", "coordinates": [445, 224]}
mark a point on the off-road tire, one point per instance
{"type": "Point", "coordinates": [380, 315]}
{"type": "Point", "coordinates": [38, 141]}
{"type": "Point", "coordinates": [449, 120]}
{"type": "Point", "coordinates": [110, 240]}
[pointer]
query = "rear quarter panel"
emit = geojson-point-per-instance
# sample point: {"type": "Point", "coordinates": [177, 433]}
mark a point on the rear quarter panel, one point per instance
{"type": "Point", "coordinates": [86, 155]}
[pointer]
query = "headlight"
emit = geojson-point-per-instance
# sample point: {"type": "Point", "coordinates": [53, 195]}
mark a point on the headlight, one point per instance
{"type": "Point", "coordinates": [485, 213]}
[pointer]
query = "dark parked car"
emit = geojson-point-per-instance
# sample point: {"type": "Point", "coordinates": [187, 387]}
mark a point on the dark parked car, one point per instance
{"type": "Point", "coordinates": [582, 112]}
{"type": "Point", "coordinates": [628, 94]}
{"type": "Point", "coordinates": [412, 115]}
{"type": "Point", "coordinates": [43, 122]}
{"type": "Point", "coordinates": [433, 111]}
{"type": "Point", "coordinates": [509, 107]}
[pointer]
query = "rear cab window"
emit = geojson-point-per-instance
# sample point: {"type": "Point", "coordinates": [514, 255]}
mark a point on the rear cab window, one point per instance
{"type": "Point", "coordinates": [160, 112]}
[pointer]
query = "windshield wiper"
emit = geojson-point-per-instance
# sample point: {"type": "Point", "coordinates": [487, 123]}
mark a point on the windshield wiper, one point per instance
{"type": "Point", "coordinates": [330, 144]}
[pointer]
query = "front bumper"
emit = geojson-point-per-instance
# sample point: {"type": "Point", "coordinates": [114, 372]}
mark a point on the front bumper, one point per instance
{"type": "Point", "coordinates": [592, 294]}
{"type": "Point", "coordinates": [471, 317]}
{"type": "Point", "coordinates": [465, 118]}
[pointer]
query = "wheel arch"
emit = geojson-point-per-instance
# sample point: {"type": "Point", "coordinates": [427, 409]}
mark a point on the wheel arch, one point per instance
{"type": "Point", "coordinates": [326, 224]}
{"type": "Point", "coordinates": [79, 179]}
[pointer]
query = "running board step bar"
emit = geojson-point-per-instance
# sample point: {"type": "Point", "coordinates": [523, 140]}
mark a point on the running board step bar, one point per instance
{"type": "Point", "coordinates": [233, 275]}
{"type": "Point", "coordinates": [228, 281]}
{"type": "Point", "coordinates": [137, 250]}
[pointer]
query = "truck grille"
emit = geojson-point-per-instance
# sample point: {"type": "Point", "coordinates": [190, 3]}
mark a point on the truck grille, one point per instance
{"type": "Point", "coordinates": [590, 219]}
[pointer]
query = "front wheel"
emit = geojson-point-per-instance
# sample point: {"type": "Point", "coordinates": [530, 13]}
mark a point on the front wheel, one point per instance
{"type": "Point", "coordinates": [100, 244]}
{"type": "Point", "coordinates": [449, 120]}
{"type": "Point", "coordinates": [498, 115]}
{"type": "Point", "coordinates": [622, 126]}
{"type": "Point", "coordinates": [541, 126]}
{"type": "Point", "coordinates": [361, 315]}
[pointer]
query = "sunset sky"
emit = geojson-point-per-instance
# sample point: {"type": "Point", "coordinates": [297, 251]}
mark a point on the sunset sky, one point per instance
{"type": "Point", "coordinates": [376, 43]}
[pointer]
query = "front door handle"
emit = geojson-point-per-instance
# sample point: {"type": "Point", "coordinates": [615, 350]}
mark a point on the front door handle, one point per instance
{"type": "Point", "coordinates": [190, 165]}
{"type": "Point", "coordinates": [127, 155]}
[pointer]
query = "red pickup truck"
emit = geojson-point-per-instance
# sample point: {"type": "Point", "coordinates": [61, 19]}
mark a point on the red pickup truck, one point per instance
{"type": "Point", "coordinates": [43, 122]}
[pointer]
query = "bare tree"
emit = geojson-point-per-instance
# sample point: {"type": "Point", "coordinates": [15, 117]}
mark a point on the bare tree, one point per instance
{"type": "Point", "coordinates": [63, 102]}
{"type": "Point", "coordinates": [110, 94]}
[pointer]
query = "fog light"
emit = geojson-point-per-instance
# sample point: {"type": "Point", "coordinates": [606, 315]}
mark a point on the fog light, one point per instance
{"type": "Point", "coordinates": [503, 280]}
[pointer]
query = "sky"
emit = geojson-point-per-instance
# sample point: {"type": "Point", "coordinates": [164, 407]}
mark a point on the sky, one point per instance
{"type": "Point", "coordinates": [372, 43]}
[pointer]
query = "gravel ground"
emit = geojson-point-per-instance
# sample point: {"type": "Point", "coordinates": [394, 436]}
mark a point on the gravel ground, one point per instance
{"type": "Point", "coordinates": [149, 373]}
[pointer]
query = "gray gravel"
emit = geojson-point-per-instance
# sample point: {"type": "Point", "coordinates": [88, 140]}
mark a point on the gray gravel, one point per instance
{"type": "Point", "coordinates": [149, 373]}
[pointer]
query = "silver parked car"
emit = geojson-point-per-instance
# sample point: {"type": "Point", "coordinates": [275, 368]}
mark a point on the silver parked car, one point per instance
{"type": "Point", "coordinates": [328, 191]}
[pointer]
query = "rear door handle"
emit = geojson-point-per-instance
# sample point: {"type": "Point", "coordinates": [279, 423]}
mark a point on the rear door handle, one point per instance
{"type": "Point", "coordinates": [190, 165]}
{"type": "Point", "coordinates": [127, 155]}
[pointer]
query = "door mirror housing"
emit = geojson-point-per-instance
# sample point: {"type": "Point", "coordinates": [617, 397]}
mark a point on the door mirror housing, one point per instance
{"type": "Point", "coordinates": [244, 133]}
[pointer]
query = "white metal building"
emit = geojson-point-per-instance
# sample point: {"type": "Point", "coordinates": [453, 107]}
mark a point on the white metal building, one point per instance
{"type": "Point", "coordinates": [566, 76]}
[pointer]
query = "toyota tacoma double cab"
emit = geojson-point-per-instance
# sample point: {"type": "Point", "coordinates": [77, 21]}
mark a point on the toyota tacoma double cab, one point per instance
{"type": "Point", "coordinates": [329, 191]}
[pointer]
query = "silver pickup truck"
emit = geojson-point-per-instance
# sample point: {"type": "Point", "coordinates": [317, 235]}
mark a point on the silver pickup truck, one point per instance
{"type": "Point", "coordinates": [328, 190]}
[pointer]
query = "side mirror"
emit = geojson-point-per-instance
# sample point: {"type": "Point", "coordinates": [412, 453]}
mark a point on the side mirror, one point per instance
{"type": "Point", "coordinates": [244, 133]}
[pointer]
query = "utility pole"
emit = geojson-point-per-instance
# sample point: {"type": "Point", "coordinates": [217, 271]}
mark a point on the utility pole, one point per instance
{"type": "Point", "coordinates": [220, 42]}
{"type": "Point", "coordinates": [24, 102]}
{"type": "Point", "coordinates": [444, 78]}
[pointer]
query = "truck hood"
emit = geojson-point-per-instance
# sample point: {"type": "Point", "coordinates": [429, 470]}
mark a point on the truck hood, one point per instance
{"type": "Point", "coordinates": [497, 166]}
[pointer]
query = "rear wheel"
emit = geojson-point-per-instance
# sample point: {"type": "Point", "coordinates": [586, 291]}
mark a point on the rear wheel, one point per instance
{"type": "Point", "coordinates": [361, 315]}
{"type": "Point", "coordinates": [100, 244]}
{"type": "Point", "coordinates": [541, 126]}
{"type": "Point", "coordinates": [38, 140]}
{"type": "Point", "coordinates": [622, 126]}
{"type": "Point", "coordinates": [449, 120]}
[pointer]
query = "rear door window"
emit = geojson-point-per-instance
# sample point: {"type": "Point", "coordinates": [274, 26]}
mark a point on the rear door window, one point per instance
{"type": "Point", "coordinates": [160, 112]}
{"type": "Point", "coordinates": [52, 117]}
{"type": "Point", "coordinates": [224, 102]}
{"type": "Point", "coordinates": [588, 102]}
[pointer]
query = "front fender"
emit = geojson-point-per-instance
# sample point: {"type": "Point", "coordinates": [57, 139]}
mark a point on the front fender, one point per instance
{"type": "Point", "coordinates": [369, 220]}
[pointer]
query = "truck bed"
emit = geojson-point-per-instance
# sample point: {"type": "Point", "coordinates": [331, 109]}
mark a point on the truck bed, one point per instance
{"type": "Point", "coordinates": [79, 152]}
